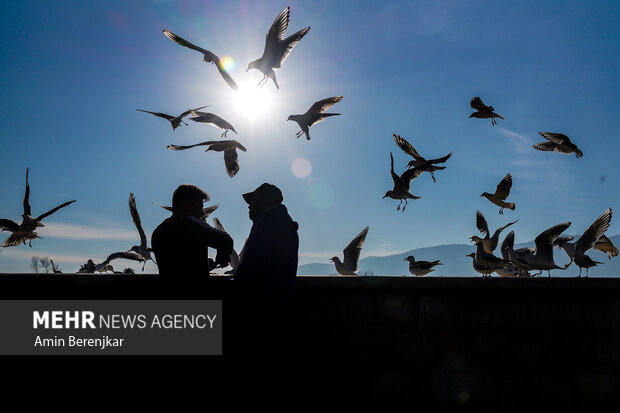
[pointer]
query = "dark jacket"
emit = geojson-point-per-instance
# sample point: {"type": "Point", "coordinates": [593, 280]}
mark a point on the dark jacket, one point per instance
{"type": "Point", "coordinates": [269, 258]}
{"type": "Point", "coordinates": [181, 246]}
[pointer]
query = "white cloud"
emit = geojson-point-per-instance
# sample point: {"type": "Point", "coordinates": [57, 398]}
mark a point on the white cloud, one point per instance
{"type": "Point", "coordinates": [521, 142]}
{"type": "Point", "coordinates": [83, 232]}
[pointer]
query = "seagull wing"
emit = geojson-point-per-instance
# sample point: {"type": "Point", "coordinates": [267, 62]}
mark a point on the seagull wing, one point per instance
{"type": "Point", "coordinates": [440, 160]}
{"type": "Point", "coordinates": [544, 241]}
{"type": "Point", "coordinates": [211, 119]}
{"type": "Point", "coordinates": [481, 224]}
{"type": "Point", "coordinates": [51, 211]}
{"type": "Point", "coordinates": [135, 216]}
{"type": "Point", "coordinates": [239, 146]}
{"type": "Point", "coordinates": [409, 175]}
{"type": "Point", "coordinates": [278, 29]}
{"type": "Point", "coordinates": [188, 111]}
{"type": "Point", "coordinates": [8, 225]}
{"type": "Point", "coordinates": [181, 147]}
{"type": "Point", "coordinates": [181, 41]}
{"type": "Point", "coordinates": [322, 105]}
{"type": "Point", "coordinates": [226, 76]}
{"type": "Point", "coordinates": [407, 147]}
{"type": "Point", "coordinates": [353, 250]}
{"type": "Point", "coordinates": [161, 115]}
{"type": "Point", "coordinates": [209, 210]}
{"type": "Point", "coordinates": [167, 208]}
{"type": "Point", "coordinates": [594, 232]}
{"type": "Point", "coordinates": [289, 43]}
{"type": "Point", "coordinates": [547, 146]}
{"type": "Point", "coordinates": [478, 104]}
{"type": "Point", "coordinates": [125, 255]}
{"type": "Point", "coordinates": [27, 210]}
{"type": "Point", "coordinates": [503, 188]}
{"type": "Point", "coordinates": [558, 138]}
{"type": "Point", "coordinates": [231, 160]}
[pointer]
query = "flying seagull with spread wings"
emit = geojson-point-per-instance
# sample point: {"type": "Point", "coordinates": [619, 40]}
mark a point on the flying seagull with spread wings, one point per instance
{"type": "Point", "coordinates": [501, 193]}
{"type": "Point", "coordinates": [401, 185]}
{"type": "Point", "coordinates": [314, 115]}
{"type": "Point", "coordinates": [277, 48]}
{"type": "Point", "coordinates": [483, 111]}
{"type": "Point", "coordinates": [558, 142]}
{"type": "Point", "coordinates": [208, 56]}
{"type": "Point", "coordinates": [229, 147]}
{"type": "Point", "coordinates": [175, 121]}
{"type": "Point", "coordinates": [351, 255]}
{"type": "Point", "coordinates": [420, 163]}
{"type": "Point", "coordinates": [488, 242]}
{"type": "Point", "coordinates": [20, 233]}
{"type": "Point", "coordinates": [212, 119]}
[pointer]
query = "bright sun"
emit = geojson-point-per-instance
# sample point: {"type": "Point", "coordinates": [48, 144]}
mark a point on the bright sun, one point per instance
{"type": "Point", "coordinates": [252, 101]}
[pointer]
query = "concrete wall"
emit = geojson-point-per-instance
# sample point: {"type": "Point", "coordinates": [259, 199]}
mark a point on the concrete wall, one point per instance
{"type": "Point", "coordinates": [487, 342]}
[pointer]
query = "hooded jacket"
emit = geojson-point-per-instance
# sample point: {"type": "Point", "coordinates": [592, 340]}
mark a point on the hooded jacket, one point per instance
{"type": "Point", "coordinates": [269, 258]}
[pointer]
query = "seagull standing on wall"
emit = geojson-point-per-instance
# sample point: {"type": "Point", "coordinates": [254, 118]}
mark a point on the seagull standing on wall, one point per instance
{"type": "Point", "coordinates": [314, 115]}
{"type": "Point", "coordinates": [25, 231]}
{"type": "Point", "coordinates": [489, 243]}
{"type": "Point", "coordinates": [208, 56]}
{"type": "Point", "coordinates": [420, 268]}
{"type": "Point", "coordinates": [351, 255]}
{"type": "Point", "coordinates": [277, 48]}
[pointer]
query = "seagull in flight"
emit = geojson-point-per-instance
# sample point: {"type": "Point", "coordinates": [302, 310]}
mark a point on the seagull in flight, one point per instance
{"type": "Point", "coordinates": [143, 250]}
{"type": "Point", "coordinates": [489, 243]}
{"type": "Point", "coordinates": [558, 142]}
{"type": "Point", "coordinates": [419, 162]}
{"type": "Point", "coordinates": [208, 56]}
{"type": "Point", "coordinates": [605, 245]}
{"type": "Point", "coordinates": [401, 185]}
{"type": "Point", "coordinates": [277, 48]}
{"type": "Point", "coordinates": [212, 119]}
{"type": "Point", "coordinates": [315, 115]}
{"type": "Point", "coordinates": [576, 251]}
{"type": "Point", "coordinates": [351, 255]}
{"type": "Point", "coordinates": [20, 233]}
{"type": "Point", "coordinates": [420, 268]}
{"type": "Point", "coordinates": [175, 121]}
{"type": "Point", "coordinates": [234, 257]}
{"type": "Point", "coordinates": [501, 193]}
{"type": "Point", "coordinates": [483, 111]}
{"type": "Point", "coordinates": [229, 147]}
{"type": "Point", "coordinates": [91, 267]}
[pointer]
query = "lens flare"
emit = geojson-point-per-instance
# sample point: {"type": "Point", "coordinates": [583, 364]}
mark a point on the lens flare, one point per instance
{"type": "Point", "coordinates": [301, 167]}
{"type": "Point", "coordinates": [252, 101]}
{"type": "Point", "coordinates": [228, 63]}
{"type": "Point", "coordinates": [321, 195]}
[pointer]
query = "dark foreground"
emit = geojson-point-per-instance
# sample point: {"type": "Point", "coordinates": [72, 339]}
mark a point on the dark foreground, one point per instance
{"type": "Point", "coordinates": [428, 341]}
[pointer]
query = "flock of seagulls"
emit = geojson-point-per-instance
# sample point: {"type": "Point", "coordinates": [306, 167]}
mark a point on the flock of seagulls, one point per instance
{"type": "Point", "coordinates": [512, 263]}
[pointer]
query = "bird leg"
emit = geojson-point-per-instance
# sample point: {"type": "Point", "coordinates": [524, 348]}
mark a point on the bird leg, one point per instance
{"type": "Point", "coordinates": [405, 205]}
{"type": "Point", "coordinates": [501, 211]}
{"type": "Point", "coordinates": [579, 272]}
{"type": "Point", "coordinates": [298, 134]}
{"type": "Point", "coordinates": [433, 176]}
{"type": "Point", "coordinates": [398, 208]}
{"type": "Point", "coordinates": [224, 134]}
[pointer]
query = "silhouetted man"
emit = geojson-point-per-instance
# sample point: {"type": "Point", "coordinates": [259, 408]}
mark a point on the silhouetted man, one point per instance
{"type": "Point", "coordinates": [181, 242]}
{"type": "Point", "coordinates": [269, 258]}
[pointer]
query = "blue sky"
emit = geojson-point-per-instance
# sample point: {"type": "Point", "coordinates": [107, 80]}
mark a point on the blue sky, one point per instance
{"type": "Point", "coordinates": [74, 72]}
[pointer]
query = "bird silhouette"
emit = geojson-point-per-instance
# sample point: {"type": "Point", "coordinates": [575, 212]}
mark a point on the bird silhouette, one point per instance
{"type": "Point", "coordinates": [605, 245]}
{"type": "Point", "coordinates": [212, 119]}
{"type": "Point", "coordinates": [501, 193]}
{"type": "Point", "coordinates": [489, 242]}
{"type": "Point", "coordinates": [277, 48]}
{"type": "Point", "coordinates": [20, 233]}
{"type": "Point", "coordinates": [175, 121]}
{"type": "Point", "coordinates": [420, 268]}
{"type": "Point", "coordinates": [483, 111]}
{"type": "Point", "coordinates": [314, 115]}
{"type": "Point", "coordinates": [143, 250]}
{"type": "Point", "coordinates": [401, 185]}
{"type": "Point", "coordinates": [558, 142]}
{"type": "Point", "coordinates": [229, 147]}
{"type": "Point", "coordinates": [422, 164]}
{"type": "Point", "coordinates": [351, 255]}
{"type": "Point", "coordinates": [208, 56]}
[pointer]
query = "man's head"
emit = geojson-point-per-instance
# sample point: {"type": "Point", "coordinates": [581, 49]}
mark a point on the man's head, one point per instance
{"type": "Point", "coordinates": [262, 198]}
{"type": "Point", "coordinates": [188, 200]}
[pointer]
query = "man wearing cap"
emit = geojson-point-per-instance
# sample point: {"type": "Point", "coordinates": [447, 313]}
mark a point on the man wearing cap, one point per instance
{"type": "Point", "coordinates": [180, 242]}
{"type": "Point", "coordinates": [269, 258]}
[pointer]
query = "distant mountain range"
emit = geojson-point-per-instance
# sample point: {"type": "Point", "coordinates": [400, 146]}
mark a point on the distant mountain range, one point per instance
{"type": "Point", "coordinates": [457, 264]}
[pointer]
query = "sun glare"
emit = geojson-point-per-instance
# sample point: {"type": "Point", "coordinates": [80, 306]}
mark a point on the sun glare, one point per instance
{"type": "Point", "coordinates": [252, 101]}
